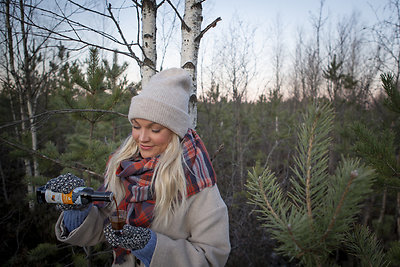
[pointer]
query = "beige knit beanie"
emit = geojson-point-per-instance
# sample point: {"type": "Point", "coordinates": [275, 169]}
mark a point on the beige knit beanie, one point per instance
{"type": "Point", "coordinates": [164, 100]}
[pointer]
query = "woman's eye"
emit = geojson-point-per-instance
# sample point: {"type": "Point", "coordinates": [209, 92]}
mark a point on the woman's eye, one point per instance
{"type": "Point", "coordinates": [136, 127]}
{"type": "Point", "coordinates": [155, 130]}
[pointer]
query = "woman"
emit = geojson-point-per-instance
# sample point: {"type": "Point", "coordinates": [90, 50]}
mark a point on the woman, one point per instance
{"type": "Point", "coordinates": [163, 177]}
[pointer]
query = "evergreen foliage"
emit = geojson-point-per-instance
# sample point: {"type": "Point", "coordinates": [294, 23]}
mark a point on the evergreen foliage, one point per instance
{"type": "Point", "coordinates": [42, 251]}
{"type": "Point", "coordinates": [362, 244]}
{"type": "Point", "coordinates": [378, 151]}
{"type": "Point", "coordinates": [393, 255]}
{"type": "Point", "coordinates": [311, 221]}
{"type": "Point", "coordinates": [392, 91]}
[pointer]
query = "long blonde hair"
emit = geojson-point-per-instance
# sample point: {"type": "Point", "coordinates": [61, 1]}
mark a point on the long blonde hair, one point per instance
{"type": "Point", "coordinates": [168, 178]}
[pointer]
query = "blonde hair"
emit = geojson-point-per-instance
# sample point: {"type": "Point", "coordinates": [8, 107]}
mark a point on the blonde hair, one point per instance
{"type": "Point", "coordinates": [168, 178]}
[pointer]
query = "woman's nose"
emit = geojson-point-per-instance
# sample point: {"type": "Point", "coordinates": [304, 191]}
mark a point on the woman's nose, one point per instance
{"type": "Point", "coordinates": [143, 136]}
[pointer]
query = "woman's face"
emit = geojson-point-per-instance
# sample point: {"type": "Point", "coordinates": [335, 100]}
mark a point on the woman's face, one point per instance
{"type": "Point", "coordinates": [152, 138]}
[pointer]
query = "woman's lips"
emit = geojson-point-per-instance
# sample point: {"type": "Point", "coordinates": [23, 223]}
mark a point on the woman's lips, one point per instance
{"type": "Point", "coordinates": [144, 147]}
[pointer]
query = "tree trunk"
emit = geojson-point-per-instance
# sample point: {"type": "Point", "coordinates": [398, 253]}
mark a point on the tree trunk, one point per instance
{"type": "Point", "coordinates": [383, 207]}
{"type": "Point", "coordinates": [3, 181]}
{"type": "Point", "coordinates": [149, 29]}
{"type": "Point", "coordinates": [34, 138]}
{"type": "Point", "coordinates": [398, 216]}
{"type": "Point", "coordinates": [367, 211]}
{"type": "Point", "coordinates": [27, 83]}
{"type": "Point", "coordinates": [20, 90]}
{"type": "Point", "coordinates": [191, 30]}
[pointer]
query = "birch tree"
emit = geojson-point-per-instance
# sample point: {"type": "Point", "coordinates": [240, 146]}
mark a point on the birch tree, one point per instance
{"type": "Point", "coordinates": [26, 73]}
{"type": "Point", "coordinates": [69, 21]}
{"type": "Point", "coordinates": [386, 35]}
{"type": "Point", "coordinates": [149, 33]}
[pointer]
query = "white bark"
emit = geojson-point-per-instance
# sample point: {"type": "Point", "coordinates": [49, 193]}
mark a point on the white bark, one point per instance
{"type": "Point", "coordinates": [190, 49]}
{"type": "Point", "coordinates": [32, 113]}
{"type": "Point", "coordinates": [28, 89]}
{"type": "Point", "coordinates": [149, 29]}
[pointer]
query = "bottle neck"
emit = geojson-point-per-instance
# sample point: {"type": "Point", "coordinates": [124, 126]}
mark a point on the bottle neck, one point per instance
{"type": "Point", "coordinates": [102, 196]}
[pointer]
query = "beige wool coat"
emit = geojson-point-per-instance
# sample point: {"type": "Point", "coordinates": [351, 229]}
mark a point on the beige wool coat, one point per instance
{"type": "Point", "coordinates": [198, 237]}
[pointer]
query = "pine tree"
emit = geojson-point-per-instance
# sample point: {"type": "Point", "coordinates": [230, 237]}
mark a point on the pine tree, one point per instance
{"type": "Point", "coordinates": [99, 87]}
{"type": "Point", "coordinates": [313, 219]}
{"type": "Point", "coordinates": [378, 147]}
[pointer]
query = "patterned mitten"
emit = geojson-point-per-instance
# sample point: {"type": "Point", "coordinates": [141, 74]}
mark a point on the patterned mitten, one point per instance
{"type": "Point", "coordinates": [130, 237]}
{"type": "Point", "coordinates": [65, 183]}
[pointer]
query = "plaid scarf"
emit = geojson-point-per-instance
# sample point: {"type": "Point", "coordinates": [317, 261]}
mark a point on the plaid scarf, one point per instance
{"type": "Point", "coordinates": [136, 177]}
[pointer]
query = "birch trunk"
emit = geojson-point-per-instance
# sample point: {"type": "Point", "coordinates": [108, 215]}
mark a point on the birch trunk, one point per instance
{"type": "Point", "coordinates": [3, 182]}
{"type": "Point", "coordinates": [27, 83]}
{"type": "Point", "coordinates": [20, 92]}
{"type": "Point", "coordinates": [190, 49]}
{"type": "Point", "coordinates": [149, 30]}
{"type": "Point", "coordinates": [34, 138]}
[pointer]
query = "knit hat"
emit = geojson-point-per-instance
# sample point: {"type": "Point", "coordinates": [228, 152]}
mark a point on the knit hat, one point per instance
{"type": "Point", "coordinates": [164, 100]}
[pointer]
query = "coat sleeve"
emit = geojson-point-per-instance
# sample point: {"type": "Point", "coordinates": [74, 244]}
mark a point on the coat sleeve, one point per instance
{"type": "Point", "coordinates": [208, 241]}
{"type": "Point", "coordinates": [89, 233]}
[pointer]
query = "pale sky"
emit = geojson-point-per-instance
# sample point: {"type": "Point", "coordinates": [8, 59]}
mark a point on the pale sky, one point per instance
{"type": "Point", "coordinates": [293, 14]}
{"type": "Point", "coordinates": [292, 11]}
{"type": "Point", "coordinates": [263, 14]}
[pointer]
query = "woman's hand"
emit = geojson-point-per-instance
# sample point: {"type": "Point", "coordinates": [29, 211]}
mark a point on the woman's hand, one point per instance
{"type": "Point", "coordinates": [65, 183]}
{"type": "Point", "coordinates": [130, 237]}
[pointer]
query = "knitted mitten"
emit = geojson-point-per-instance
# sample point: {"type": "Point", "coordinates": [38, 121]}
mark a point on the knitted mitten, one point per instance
{"type": "Point", "coordinates": [130, 237]}
{"type": "Point", "coordinates": [65, 183]}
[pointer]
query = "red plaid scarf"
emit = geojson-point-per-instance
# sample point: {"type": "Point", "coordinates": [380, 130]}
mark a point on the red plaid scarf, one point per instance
{"type": "Point", "coordinates": [136, 177]}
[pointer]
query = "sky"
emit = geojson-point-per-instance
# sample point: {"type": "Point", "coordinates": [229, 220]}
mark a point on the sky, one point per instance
{"type": "Point", "coordinates": [263, 14]}
{"type": "Point", "coordinates": [292, 14]}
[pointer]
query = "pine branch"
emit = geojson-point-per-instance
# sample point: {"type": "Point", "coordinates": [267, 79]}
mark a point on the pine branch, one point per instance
{"type": "Point", "coordinates": [308, 168]}
{"type": "Point", "coordinates": [258, 186]}
{"type": "Point", "coordinates": [353, 175]}
{"type": "Point", "coordinates": [364, 245]}
{"type": "Point", "coordinates": [266, 201]}
{"type": "Point", "coordinates": [303, 250]}
{"type": "Point", "coordinates": [393, 93]}
{"type": "Point", "coordinates": [329, 204]}
{"type": "Point", "coordinates": [312, 160]}
{"type": "Point", "coordinates": [378, 150]}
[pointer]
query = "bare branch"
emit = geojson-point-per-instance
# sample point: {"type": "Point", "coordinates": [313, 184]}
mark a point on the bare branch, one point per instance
{"type": "Point", "coordinates": [137, 3]}
{"type": "Point", "coordinates": [38, 154]}
{"type": "Point", "coordinates": [220, 148]}
{"type": "Point", "coordinates": [61, 111]}
{"type": "Point", "coordinates": [138, 26]}
{"type": "Point", "coordinates": [211, 25]}
{"type": "Point", "coordinates": [88, 9]}
{"type": "Point", "coordinates": [184, 25]}
{"type": "Point", "coordinates": [122, 34]}
{"type": "Point", "coordinates": [161, 3]}
{"type": "Point", "coordinates": [75, 28]}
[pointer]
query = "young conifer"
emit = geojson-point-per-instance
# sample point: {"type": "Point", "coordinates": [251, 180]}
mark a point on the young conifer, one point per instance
{"type": "Point", "coordinates": [314, 217]}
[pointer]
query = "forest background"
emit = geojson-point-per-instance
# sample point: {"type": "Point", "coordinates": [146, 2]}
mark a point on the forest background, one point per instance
{"type": "Point", "coordinates": [65, 91]}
